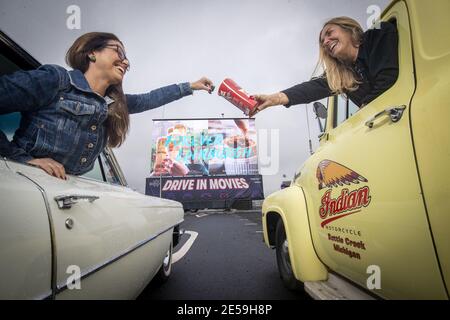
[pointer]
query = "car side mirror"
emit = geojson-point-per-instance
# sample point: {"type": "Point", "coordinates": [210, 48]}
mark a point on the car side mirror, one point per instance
{"type": "Point", "coordinates": [321, 113]}
{"type": "Point", "coordinates": [320, 110]}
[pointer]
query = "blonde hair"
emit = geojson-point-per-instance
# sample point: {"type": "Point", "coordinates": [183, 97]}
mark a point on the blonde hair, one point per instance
{"type": "Point", "coordinates": [340, 77]}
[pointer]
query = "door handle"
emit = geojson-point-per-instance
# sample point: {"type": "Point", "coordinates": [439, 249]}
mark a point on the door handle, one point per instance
{"type": "Point", "coordinates": [66, 202]}
{"type": "Point", "coordinates": [395, 113]}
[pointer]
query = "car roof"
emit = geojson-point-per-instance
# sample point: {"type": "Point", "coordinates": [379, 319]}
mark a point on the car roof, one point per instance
{"type": "Point", "coordinates": [17, 54]}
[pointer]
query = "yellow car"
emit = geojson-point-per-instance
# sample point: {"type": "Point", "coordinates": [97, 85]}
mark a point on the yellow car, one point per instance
{"type": "Point", "coordinates": [368, 215]}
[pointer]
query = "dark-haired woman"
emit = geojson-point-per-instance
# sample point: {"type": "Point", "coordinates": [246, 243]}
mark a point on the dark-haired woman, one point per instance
{"type": "Point", "coordinates": [69, 117]}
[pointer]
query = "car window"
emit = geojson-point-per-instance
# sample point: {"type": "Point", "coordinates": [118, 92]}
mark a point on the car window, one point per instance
{"type": "Point", "coordinates": [344, 109]}
{"type": "Point", "coordinates": [103, 170]}
{"type": "Point", "coordinates": [7, 66]}
{"type": "Point", "coordinates": [341, 110]}
{"type": "Point", "coordinates": [352, 108]}
{"type": "Point", "coordinates": [96, 172]}
{"type": "Point", "coordinates": [10, 122]}
{"type": "Point", "coordinates": [13, 59]}
{"type": "Point", "coordinates": [111, 174]}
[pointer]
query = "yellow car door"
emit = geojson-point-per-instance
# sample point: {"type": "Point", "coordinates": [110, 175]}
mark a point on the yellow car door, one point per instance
{"type": "Point", "coordinates": [429, 117]}
{"type": "Point", "coordinates": [365, 203]}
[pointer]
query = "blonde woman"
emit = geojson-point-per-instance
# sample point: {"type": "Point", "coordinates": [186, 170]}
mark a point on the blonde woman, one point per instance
{"type": "Point", "coordinates": [360, 64]}
{"type": "Point", "coordinates": [69, 117]}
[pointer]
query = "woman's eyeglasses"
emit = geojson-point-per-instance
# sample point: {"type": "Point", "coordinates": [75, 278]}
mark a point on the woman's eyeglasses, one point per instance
{"type": "Point", "coordinates": [120, 53]}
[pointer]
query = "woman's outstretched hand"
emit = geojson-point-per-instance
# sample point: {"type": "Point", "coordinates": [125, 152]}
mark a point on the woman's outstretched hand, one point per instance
{"type": "Point", "coordinates": [52, 167]}
{"type": "Point", "coordinates": [203, 84]}
{"type": "Point", "coordinates": [265, 101]}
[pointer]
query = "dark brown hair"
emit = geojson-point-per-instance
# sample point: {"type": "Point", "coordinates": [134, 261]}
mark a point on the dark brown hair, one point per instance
{"type": "Point", "coordinates": [77, 57]}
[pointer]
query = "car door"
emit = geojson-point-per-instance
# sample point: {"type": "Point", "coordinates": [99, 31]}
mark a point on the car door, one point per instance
{"type": "Point", "coordinates": [429, 118]}
{"type": "Point", "coordinates": [112, 237]}
{"type": "Point", "coordinates": [25, 239]}
{"type": "Point", "coordinates": [364, 197]}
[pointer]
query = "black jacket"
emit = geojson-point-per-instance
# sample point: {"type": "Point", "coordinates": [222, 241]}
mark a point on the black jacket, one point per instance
{"type": "Point", "coordinates": [376, 66]}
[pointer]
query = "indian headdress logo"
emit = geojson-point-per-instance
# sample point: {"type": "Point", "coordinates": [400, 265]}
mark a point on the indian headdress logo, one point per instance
{"type": "Point", "coordinates": [331, 175]}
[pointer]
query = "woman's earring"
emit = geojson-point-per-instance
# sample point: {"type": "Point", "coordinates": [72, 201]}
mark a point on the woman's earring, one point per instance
{"type": "Point", "coordinates": [92, 58]}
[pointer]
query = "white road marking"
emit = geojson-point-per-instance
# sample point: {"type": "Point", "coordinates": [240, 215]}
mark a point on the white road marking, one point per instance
{"type": "Point", "coordinates": [251, 224]}
{"type": "Point", "coordinates": [259, 231]}
{"type": "Point", "coordinates": [185, 248]}
{"type": "Point", "coordinates": [201, 215]}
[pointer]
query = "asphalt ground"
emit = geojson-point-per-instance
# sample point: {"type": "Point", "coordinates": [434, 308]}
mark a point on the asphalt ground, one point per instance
{"type": "Point", "coordinates": [227, 261]}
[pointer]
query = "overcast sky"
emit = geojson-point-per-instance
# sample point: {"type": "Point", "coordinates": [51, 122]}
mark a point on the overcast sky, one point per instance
{"type": "Point", "coordinates": [264, 45]}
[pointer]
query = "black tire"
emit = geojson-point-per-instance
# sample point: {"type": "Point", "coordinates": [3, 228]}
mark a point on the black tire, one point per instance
{"type": "Point", "coordinates": [284, 261]}
{"type": "Point", "coordinates": [166, 268]}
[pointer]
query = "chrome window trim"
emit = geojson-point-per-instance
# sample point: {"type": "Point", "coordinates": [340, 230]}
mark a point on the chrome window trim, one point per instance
{"type": "Point", "coordinates": [111, 157]}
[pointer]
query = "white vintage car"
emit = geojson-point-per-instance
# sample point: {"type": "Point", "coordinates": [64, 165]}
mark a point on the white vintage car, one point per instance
{"type": "Point", "coordinates": [89, 237]}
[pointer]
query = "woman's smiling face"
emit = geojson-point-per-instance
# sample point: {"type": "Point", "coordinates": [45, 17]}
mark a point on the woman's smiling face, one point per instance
{"type": "Point", "coordinates": [337, 42]}
{"type": "Point", "coordinates": [112, 61]}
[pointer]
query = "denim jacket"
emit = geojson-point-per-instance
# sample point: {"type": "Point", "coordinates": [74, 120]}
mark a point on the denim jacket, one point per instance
{"type": "Point", "coordinates": [62, 118]}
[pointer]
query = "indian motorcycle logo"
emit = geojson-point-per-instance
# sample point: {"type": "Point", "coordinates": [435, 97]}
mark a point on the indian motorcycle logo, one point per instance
{"type": "Point", "coordinates": [331, 175]}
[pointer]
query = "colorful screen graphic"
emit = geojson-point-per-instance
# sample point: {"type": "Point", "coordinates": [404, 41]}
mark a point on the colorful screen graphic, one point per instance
{"type": "Point", "coordinates": [204, 147]}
